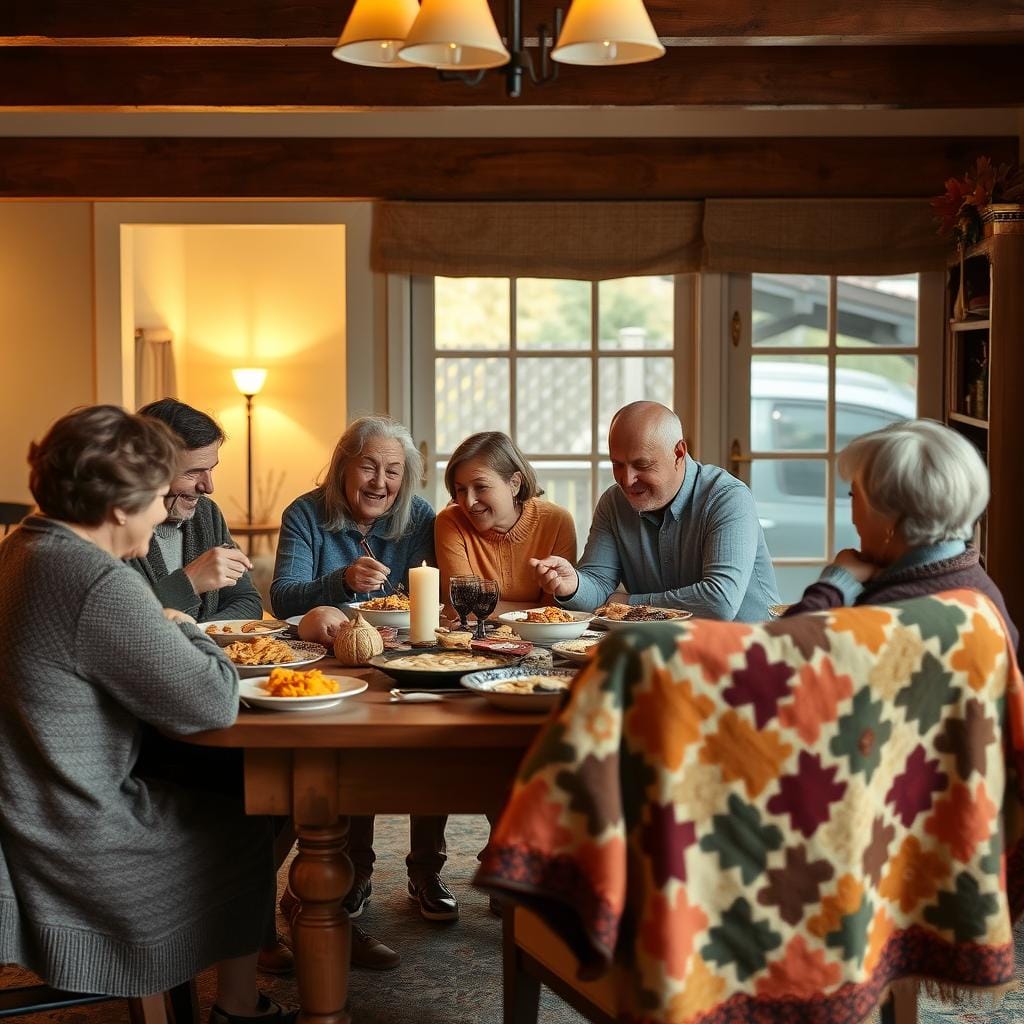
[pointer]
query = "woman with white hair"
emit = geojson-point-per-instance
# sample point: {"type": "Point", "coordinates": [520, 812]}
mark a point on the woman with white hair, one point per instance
{"type": "Point", "coordinates": [917, 490]}
{"type": "Point", "coordinates": [361, 528]}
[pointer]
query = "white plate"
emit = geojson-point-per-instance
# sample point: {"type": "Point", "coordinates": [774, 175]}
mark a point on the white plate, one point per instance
{"type": "Point", "coordinates": [484, 683]}
{"type": "Point", "coordinates": [547, 632]}
{"type": "Point", "coordinates": [579, 657]}
{"type": "Point", "coordinates": [622, 623]}
{"type": "Point", "coordinates": [252, 692]}
{"type": "Point", "coordinates": [294, 620]}
{"type": "Point", "coordinates": [234, 627]}
{"type": "Point", "coordinates": [305, 654]}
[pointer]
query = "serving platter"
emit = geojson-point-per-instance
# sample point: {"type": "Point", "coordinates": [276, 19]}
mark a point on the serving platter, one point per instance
{"type": "Point", "coordinates": [448, 665]}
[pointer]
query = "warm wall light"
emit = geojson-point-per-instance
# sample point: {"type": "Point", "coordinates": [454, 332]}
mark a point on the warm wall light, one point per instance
{"type": "Point", "coordinates": [249, 380]}
{"type": "Point", "coordinates": [460, 36]}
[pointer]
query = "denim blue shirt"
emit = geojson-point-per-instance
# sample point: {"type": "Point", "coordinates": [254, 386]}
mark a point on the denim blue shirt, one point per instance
{"type": "Point", "coordinates": [311, 561]}
{"type": "Point", "coordinates": [705, 551]}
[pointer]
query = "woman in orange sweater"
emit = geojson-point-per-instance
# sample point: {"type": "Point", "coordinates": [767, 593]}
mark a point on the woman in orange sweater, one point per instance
{"type": "Point", "coordinates": [497, 521]}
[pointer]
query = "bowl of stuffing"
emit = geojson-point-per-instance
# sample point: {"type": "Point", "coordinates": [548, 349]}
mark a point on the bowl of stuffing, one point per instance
{"type": "Point", "coordinates": [547, 625]}
{"type": "Point", "coordinates": [521, 689]}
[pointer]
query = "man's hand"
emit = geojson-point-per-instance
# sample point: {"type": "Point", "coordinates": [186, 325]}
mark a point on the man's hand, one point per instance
{"type": "Point", "coordinates": [365, 575]}
{"type": "Point", "coordinates": [555, 575]}
{"type": "Point", "coordinates": [851, 560]}
{"type": "Point", "coordinates": [173, 615]}
{"type": "Point", "coordinates": [219, 567]}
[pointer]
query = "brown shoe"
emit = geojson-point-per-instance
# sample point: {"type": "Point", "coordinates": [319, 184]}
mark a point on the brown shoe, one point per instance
{"type": "Point", "coordinates": [372, 953]}
{"type": "Point", "coordinates": [276, 958]}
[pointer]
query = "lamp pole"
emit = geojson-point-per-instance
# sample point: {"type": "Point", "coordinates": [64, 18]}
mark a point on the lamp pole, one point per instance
{"type": "Point", "coordinates": [248, 460]}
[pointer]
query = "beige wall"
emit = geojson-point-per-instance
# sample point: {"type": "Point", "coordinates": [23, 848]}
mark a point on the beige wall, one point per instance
{"type": "Point", "coordinates": [46, 311]}
{"type": "Point", "coordinates": [271, 296]}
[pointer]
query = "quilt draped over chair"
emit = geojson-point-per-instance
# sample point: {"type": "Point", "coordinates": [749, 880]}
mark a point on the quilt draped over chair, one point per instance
{"type": "Point", "coordinates": [773, 823]}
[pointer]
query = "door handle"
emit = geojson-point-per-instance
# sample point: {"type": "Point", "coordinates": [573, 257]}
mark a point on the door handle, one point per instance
{"type": "Point", "coordinates": [736, 457]}
{"type": "Point", "coordinates": [424, 456]}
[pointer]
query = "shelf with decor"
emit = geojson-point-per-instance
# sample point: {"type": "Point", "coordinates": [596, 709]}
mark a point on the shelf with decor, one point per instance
{"type": "Point", "coordinates": [984, 383]}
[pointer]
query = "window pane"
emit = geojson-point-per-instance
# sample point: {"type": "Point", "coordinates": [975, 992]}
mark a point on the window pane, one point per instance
{"type": "Point", "coordinates": [623, 379]}
{"type": "Point", "coordinates": [636, 312]}
{"type": "Point", "coordinates": [470, 394]}
{"type": "Point", "coordinates": [605, 478]}
{"type": "Point", "coordinates": [552, 314]}
{"type": "Point", "coordinates": [877, 310]}
{"type": "Point", "coordinates": [794, 579]}
{"type": "Point", "coordinates": [471, 312]}
{"type": "Point", "coordinates": [872, 391]}
{"type": "Point", "coordinates": [845, 534]}
{"type": "Point", "coordinates": [788, 403]}
{"type": "Point", "coordinates": [790, 497]}
{"type": "Point", "coordinates": [568, 484]}
{"type": "Point", "coordinates": [789, 309]}
{"type": "Point", "coordinates": [553, 405]}
{"type": "Point", "coordinates": [441, 496]}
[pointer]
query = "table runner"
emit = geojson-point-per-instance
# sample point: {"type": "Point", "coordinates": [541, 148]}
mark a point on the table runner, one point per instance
{"type": "Point", "coordinates": [773, 823]}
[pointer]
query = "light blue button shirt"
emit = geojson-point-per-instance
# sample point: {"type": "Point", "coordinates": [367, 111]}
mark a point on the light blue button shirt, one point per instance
{"type": "Point", "coordinates": [704, 552]}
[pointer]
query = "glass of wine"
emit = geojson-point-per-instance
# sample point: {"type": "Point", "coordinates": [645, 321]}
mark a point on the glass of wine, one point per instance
{"type": "Point", "coordinates": [485, 603]}
{"type": "Point", "coordinates": [463, 590]}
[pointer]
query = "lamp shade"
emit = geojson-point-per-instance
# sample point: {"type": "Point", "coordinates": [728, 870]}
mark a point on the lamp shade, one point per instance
{"type": "Point", "coordinates": [375, 32]}
{"type": "Point", "coordinates": [249, 380]}
{"type": "Point", "coordinates": [607, 32]}
{"type": "Point", "coordinates": [456, 34]}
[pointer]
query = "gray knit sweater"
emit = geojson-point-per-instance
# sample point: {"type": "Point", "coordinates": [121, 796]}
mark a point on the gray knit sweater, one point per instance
{"type": "Point", "coordinates": [206, 529]}
{"type": "Point", "coordinates": [109, 883]}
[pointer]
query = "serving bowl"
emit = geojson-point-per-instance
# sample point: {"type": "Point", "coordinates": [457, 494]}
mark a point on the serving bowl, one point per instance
{"type": "Point", "coordinates": [486, 683]}
{"type": "Point", "coordinates": [546, 632]}
{"type": "Point", "coordinates": [448, 665]}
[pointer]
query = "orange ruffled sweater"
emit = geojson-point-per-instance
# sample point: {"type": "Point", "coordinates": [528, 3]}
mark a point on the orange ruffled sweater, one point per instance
{"type": "Point", "coordinates": [543, 529]}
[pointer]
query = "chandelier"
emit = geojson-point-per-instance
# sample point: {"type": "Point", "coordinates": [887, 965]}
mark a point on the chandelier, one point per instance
{"type": "Point", "coordinates": [460, 39]}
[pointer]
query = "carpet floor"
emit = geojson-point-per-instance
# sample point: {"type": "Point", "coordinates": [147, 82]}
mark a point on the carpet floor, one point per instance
{"type": "Point", "coordinates": [451, 973]}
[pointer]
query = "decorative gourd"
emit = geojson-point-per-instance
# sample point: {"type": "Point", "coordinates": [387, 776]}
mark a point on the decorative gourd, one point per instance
{"type": "Point", "coordinates": [357, 642]}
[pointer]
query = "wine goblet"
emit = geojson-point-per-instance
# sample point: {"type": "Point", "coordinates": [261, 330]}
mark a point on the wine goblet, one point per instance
{"type": "Point", "coordinates": [463, 590]}
{"type": "Point", "coordinates": [485, 603]}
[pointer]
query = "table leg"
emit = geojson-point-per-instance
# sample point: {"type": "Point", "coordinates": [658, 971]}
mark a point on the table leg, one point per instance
{"type": "Point", "coordinates": [320, 877]}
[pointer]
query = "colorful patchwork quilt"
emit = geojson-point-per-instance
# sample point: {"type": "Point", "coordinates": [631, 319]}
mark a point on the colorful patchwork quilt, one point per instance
{"type": "Point", "coordinates": [773, 823]}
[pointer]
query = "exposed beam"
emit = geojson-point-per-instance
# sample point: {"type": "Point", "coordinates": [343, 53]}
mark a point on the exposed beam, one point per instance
{"type": "Point", "coordinates": [695, 22]}
{"type": "Point", "coordinates": [304, 78]}
{"type": "Point", "coordinates": [428, 168]}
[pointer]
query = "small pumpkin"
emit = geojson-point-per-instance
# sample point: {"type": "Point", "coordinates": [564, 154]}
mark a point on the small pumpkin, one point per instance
{"type": "Point", "coordinates": [357, 642]}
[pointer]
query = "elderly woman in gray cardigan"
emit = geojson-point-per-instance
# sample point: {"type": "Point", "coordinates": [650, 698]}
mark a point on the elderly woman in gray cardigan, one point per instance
{"type": "Point", "coordinates": [110, 883]}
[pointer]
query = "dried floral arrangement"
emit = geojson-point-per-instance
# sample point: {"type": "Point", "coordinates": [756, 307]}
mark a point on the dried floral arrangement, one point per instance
{"type": "Point", "coordinates": [960, 209]}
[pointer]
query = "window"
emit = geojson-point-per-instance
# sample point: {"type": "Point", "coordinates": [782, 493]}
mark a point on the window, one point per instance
{"type": "Point", "coordinates": [546, 361]}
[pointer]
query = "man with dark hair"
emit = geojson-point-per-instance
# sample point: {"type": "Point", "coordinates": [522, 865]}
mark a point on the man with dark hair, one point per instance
{"type": "Point", "coordinates": [193, 565]}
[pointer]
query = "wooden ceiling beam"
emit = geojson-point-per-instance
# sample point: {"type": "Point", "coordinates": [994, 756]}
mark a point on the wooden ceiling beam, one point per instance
{"type": "Point", "coordinates": [696, 22]}
{"type": "Point", "coordinates": [304, 78]}
{"type": "Point", "coordinates": [464, 169]}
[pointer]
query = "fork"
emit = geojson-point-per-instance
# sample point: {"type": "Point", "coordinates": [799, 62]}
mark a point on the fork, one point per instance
{"type": "Point", "coordinates": [400, 589]}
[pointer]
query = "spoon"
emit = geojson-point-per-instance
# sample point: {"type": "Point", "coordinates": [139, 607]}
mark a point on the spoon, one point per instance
{"type": "Point", "coordinates": [424, 696]}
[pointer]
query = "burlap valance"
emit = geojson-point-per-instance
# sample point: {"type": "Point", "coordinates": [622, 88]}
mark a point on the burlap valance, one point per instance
{"type": "Point", "coordinates": [581, 241]}
{"type": "Point", "coordinates": [821, 236]}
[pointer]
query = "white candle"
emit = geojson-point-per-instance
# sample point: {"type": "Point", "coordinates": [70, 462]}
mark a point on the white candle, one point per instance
{"type": "Point", "coordinates": [424, 601]}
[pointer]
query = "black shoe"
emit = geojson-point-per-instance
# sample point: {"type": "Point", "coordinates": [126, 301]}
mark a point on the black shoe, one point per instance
{"type": "Point", "coordinates": [269, 1013]}
{"type": "Point", "coordinates": [436, 900]}
{"type": "Point", "coordinates": [358, 897]}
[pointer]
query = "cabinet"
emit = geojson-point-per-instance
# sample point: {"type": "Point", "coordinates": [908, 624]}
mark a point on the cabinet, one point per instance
{"type": "Point", "coordinates": [984, 391]}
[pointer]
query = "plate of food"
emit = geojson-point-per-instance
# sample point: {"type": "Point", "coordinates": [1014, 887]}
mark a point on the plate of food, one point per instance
{"type": "Point", "coordinates": [615, 616]}
{"type": "Point", "coordinates": [257, 657]}
{"type": "Point", "coordinates": [286, 689]}
{"type": "Point", "coordinates": [385, 610]}
{"type": "Point", "coordinates": [227, 631]}
{"type": "Point", "coordinates": [437, 665]}
{"type": "Point", "coordinates": [547, 625]}
{"type": "Point", "coordinates": [579, 651]}
{"type": "Point", "coordinates": [521, 689]}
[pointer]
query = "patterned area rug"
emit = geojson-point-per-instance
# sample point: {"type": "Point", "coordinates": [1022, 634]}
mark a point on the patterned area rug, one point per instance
{"type": "Point", "coordinates": [451, 974]}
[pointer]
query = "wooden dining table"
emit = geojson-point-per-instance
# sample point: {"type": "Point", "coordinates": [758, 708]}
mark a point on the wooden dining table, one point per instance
{"type": "Point", "coordinates": [366, 755]}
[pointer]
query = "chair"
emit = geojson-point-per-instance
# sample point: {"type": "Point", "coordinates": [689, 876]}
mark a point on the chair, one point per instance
{"type": "Point", "coordinates": [646, 858]}
{"type": "Point", "coordinates": [180, 1005]}
{"type": "Point", "coordinates": [12, 513]}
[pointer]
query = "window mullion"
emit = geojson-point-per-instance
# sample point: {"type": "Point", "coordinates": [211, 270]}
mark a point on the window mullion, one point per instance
{"type": "Point", "coordinates": [830, 417]}
{"type": "Point", "coordinates": [513, 366]}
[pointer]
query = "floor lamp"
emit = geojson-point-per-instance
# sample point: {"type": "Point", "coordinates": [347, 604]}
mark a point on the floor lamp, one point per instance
{"type": "Point", "coordinates": [249, 382]}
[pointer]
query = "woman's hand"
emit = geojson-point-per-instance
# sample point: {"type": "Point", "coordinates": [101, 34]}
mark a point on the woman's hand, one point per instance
{"type": "Point", "coordinates": [860, 569]}
{"type": "Point", "coordinates": [365, 575]}
{"type": "Point", "coordinates": [175, 616]}
{"type": "Point", "coordinates": [555, 575]}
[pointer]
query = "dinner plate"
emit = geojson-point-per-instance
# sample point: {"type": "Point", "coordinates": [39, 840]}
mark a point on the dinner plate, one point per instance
{"type": "Point", "coordinates": [485, 682]}
{"type": "Point", "coordinates": [252, 692]}
{"type": "Point", "coordinates": [235, 631]}
{"type": "Point", "coordinates": [622, 623]}
{"type": "Point", "coordinates": [305, 654]}
{"type": "Point", "coordinates": [425, 678]}
{"type": "Point", "coordinates": [578, 657]}
{"type": "Point", "coordinates": [547, 632]}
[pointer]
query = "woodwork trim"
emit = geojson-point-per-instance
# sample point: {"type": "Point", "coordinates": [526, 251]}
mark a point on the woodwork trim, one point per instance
{"type": "Point", "coordinates": [486, 169]}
